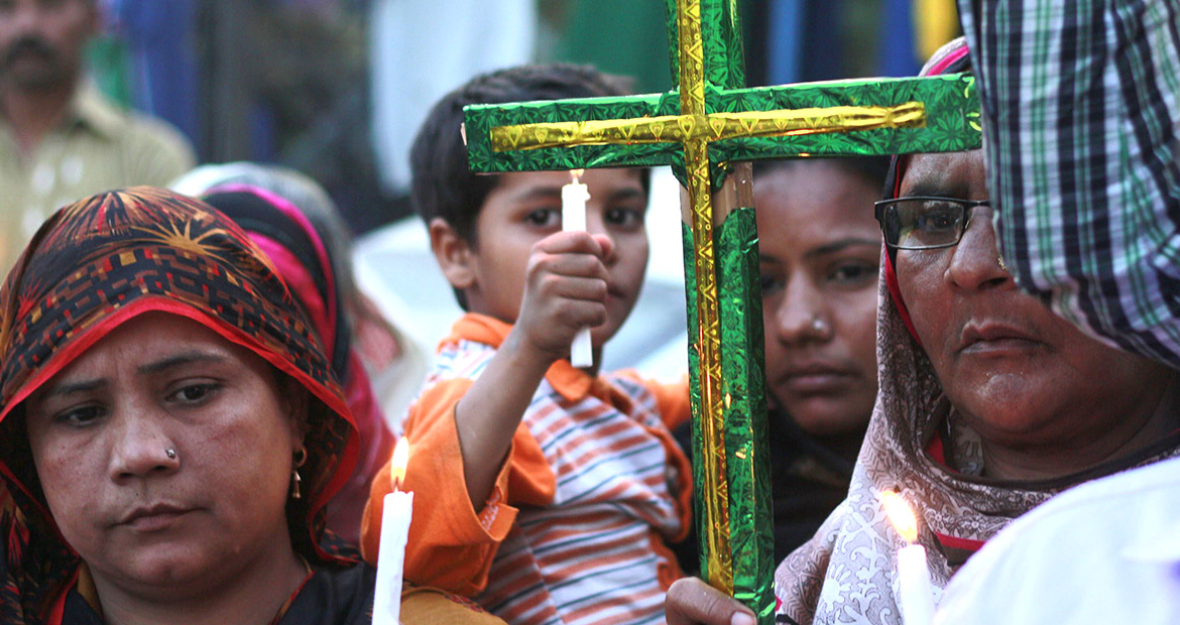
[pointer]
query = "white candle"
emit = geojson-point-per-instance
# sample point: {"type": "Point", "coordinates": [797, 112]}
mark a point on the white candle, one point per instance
{"type": "Point", "coordinates": [396, 512]}
{"type": "Point", "coordinates": [573, 219]}
{"type": "Point", "coordinates": [915, 593]}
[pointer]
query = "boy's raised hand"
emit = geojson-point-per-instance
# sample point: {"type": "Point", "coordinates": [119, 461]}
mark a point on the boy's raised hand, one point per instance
{"type": "Point", "coordinates": [565, 290]}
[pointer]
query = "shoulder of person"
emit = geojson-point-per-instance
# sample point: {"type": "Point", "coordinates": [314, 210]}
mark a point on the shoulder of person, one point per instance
{"type": "Point", "coordinates": [127, 125]}
{"type": "Point", "coordinates": [1103, 538]}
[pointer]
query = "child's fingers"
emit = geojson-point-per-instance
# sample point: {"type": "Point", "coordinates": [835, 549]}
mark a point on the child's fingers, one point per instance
{"type": "Point", "coordinates": [580, 313]}
{"type": "Point", "coordinates": [570, 243]}
{"type": "Point", "coordinates": [551, 287]}
{"type": "Point", "coordinates": [588, 289]}
{"type": "Point", "coordinates": [608, 246]}
{"type": "Point", "coordinates": [572, 265]}
{"type": "Point", "coordinates": [570, 302]}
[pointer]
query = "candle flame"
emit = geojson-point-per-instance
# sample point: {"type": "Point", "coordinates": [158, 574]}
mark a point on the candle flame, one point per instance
{"type": "Point", "coordinates": [900, 515]}
{"type": "Point", "coordinates": [401, 457]}
{"type": "Point", "coordinates": [576, 174]}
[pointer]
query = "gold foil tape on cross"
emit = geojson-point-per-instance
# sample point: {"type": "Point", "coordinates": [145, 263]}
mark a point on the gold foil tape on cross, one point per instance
{"type": "Point", "coordinates": [715, 127]}
{"type": "Point", "coordinates": [715, 493]}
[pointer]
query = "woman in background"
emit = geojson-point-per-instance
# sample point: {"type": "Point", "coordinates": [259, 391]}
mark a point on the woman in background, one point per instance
{"type": "Point", "coordinates": [819, 251]}
{"type": "Point", "coordinates": [295, 222]}
{"type": "Point", "coordinates": [396, 364]}
{"type": "Point", "coordinates": [301, 259]}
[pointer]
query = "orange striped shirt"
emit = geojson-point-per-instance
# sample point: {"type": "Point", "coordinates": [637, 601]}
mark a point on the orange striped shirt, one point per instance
{"type": "Point", "coordinates": [574, 529]}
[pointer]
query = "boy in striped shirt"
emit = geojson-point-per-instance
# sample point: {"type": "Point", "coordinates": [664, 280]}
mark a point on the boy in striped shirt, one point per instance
{"type": "Point", "coordinates": [545, 492]}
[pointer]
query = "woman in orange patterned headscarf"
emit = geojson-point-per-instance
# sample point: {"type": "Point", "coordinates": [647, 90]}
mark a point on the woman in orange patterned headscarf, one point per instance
{"type": "Point", "coordinates": [170, 429]}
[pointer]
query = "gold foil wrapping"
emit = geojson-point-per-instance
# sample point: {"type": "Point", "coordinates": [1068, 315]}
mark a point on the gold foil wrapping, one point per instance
{"type": "Point", "coordinates": [718, 557]}
{"type": "Point", "coordinates": [714, 127]}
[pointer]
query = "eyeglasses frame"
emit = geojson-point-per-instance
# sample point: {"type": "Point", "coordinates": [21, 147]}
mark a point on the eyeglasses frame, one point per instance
{"type": "Point", "coordinates": [969, 207]}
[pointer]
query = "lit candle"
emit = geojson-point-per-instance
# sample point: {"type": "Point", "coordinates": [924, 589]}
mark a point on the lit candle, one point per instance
{"type": "Point", "coordinates": [391, 555]}
{"type": "Point", "coordinates": [573, 219]}
{"type": "Point", "coordinates": [915, 594]}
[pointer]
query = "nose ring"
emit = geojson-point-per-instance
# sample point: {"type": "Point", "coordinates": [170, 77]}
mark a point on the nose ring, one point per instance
{"type": "Point", "coordinates": [171, 453]}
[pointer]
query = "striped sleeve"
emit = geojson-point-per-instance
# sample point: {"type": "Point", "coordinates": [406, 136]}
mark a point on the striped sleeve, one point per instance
{"type": "Point", "coordinates": [1081, 100]}
{"type": "Point", "coordinates": [451, 545]}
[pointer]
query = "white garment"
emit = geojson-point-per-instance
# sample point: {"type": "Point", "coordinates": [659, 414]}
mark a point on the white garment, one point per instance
{"type": "Point", "coordinates": [420, 51]}
{"type": "Point", "coordinates": [1105, 552]}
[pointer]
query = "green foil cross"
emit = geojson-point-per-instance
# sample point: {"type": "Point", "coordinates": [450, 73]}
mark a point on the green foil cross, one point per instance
{"type": "Point", "coordinates": [700, 128]}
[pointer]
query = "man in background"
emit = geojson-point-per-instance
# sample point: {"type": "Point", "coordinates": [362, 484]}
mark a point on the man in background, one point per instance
{"type": "Point", "coordinates": [59, 138]}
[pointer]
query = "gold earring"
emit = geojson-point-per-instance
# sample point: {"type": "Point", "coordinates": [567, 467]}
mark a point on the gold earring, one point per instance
{"type": "Point", "coordinates": [295, 479]}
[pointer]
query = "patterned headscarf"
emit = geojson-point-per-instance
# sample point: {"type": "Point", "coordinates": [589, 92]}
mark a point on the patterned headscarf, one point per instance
{"type": "Point", "coordinates": [307, 266]}
{"type": "Point", "coordinates": [102, 261]}
{"type": "Point", "coordinates": [847, 572]}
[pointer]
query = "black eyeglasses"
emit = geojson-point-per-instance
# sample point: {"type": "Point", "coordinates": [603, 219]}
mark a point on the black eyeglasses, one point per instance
{"type": "Point", "coordinates": [925, 222]}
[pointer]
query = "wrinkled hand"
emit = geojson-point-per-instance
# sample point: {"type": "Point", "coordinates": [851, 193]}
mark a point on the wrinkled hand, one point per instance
{"type": "Point", "coordinates": [691, 601]}
{"type": "Point", "coordinates": [565, 290]}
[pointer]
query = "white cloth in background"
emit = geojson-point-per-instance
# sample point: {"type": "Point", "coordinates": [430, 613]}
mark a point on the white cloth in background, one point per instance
{"type": "Point", "coordinates": [420, 51]}
{"type": "Point", "coordinates": [1104, 552]}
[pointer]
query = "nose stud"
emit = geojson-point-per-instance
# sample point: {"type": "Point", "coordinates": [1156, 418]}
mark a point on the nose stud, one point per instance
{"type": "Point", "coordinates": [171, 453]}
{"type": "Point", "coordinates": [818, 326]}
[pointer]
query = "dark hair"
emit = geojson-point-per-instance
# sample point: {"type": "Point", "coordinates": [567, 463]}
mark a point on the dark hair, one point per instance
{"type": "Point", "coordinates": [442, 185]}
{"type": "Point", "coordinates": [871, 169]}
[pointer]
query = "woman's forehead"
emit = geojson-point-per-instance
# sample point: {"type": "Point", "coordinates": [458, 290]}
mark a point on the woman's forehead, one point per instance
{"type": "Point", "coordinates": [152, 342]}
{"type": "Point", "coordinates": [955, 174]}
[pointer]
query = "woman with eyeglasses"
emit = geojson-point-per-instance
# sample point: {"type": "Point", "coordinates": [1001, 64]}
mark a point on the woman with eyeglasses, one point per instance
{"type": "Point", "coordinates": [989, 404]}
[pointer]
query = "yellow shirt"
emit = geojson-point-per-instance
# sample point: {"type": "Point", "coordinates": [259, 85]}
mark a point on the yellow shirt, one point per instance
{"type": "Point", "coordinates": [97, 147]}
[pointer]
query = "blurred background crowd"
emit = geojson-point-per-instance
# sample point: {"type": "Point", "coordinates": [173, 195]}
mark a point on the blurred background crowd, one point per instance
{"type": "Point", "coordinates": [336, 88]}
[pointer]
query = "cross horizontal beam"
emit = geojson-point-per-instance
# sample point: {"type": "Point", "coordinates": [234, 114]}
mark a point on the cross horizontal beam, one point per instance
{"type": "Point", "coordinates": [716, 127]}
{"type": "Point", "coordinates": [741, 124]}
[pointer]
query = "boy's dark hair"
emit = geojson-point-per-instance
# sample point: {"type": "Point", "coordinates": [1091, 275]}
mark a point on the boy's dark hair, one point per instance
{"type": "Point", "coordinates": [442, 185]}
{"type": "Point", "coordinates": [871, 169]}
